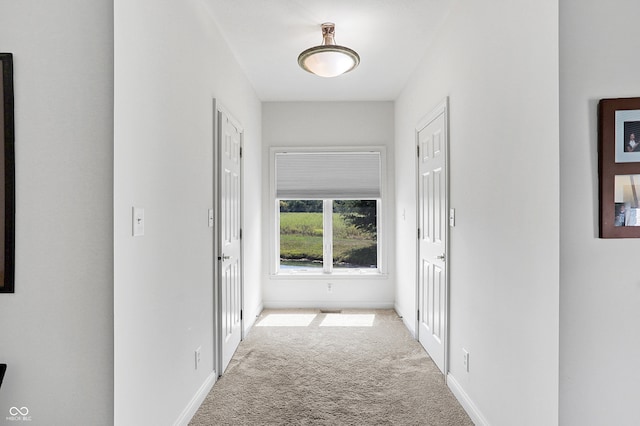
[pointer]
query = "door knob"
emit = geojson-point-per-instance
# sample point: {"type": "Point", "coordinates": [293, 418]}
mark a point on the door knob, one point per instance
{"type": "Point", "coordinates": [225, 257]}
{"type": "Point", "coordinates": [441, 257]}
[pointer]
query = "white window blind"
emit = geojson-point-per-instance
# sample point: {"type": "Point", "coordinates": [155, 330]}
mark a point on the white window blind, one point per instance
{"type": "Point", "coordinates": [321, 175]}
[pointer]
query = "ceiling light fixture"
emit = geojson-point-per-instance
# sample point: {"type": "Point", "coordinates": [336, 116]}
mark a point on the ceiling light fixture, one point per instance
{"type": "Point", "coordinates": [328, 59]}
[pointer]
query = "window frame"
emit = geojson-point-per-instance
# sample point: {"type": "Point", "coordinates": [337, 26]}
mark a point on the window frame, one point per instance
{"type": "Point", "coordinates": [327, 269]}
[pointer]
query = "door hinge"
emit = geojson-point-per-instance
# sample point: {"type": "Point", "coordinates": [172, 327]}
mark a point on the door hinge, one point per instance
{"type": "Point", "coordinates": [241, 312]}
{"type": "Point", "coordinates": [418, 314]}
{"type": "Point", "coordinates": [240, 152]}
{"type": "Point", "coordinates": [240, 233]}
{"type": "Point", "coordinates": [418, 233]}
{"type": "Point", "coordinates": [418, 150]}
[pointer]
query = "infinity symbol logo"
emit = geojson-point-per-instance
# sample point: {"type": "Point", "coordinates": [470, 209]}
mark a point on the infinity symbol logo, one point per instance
{"type": "Point", "coordinates": [14, 411]}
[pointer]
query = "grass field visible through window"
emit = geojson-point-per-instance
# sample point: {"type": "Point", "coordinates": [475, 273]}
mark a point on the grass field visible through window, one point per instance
{"type": "Point", "coordinates": [301, 241]}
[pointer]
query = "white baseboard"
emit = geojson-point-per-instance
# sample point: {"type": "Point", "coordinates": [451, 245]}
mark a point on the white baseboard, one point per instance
{"type": "Point", "coordinates": [466, 402]}
{"type": "Point", "coordinates": [197, 400]}
{"type": "Point", "coordinates": [329, 304]}
{"type": "Point", "coordinates": [251, 318]}
{"type": "Point", "coordinates": [409, 326]}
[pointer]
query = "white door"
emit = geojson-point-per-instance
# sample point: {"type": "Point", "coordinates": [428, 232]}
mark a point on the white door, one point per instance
{"type": "Point", "coordinates": [229, 237]}
{"type": "Point", "coordinates": [432, 235]}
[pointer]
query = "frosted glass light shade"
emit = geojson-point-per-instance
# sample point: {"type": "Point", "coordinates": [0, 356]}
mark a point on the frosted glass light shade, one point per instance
{"type": "Point", "coordinates": [328, 59]}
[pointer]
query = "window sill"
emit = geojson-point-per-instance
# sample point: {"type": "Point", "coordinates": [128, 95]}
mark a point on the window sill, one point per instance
{"type": "Point", "coordinates": [334, 276]}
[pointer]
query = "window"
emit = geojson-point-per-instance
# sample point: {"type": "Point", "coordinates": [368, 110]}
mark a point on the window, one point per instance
{"type": "Point", "coordinates": [349, 242]}
{"type": "Point", "coordinates": [328, 212]}
{"type": "Point", "coordinates": [354, 231]}
{"type": "Point", "coordinates": [301, 235]}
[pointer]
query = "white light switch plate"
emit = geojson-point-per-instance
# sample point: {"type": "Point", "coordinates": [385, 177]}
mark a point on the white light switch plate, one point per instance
{"type": "Point", "coordinates": [138, 221]}
{"type": "Point", "coordinates": [452, 217]}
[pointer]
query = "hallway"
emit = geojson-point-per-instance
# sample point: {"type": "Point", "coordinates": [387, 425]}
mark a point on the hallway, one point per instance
{"type": "Point", "coordinates": [349, 367]}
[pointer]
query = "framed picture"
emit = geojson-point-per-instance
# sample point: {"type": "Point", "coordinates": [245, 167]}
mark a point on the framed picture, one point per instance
{"type": "Point", "coordinates": [619, 167]}
{"type": "Point", "coordinates": [7, 174]}
{"type": "Point", "coordinates": [627, 134]}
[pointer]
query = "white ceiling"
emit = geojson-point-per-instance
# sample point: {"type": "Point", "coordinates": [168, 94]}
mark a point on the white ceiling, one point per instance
{"type": "Point", "coordinates": [266, 36]}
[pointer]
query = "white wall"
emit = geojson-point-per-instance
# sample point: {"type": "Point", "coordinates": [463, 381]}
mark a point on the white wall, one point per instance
{"type": "Point", "coordinates": [56, 331]}
{"type": "Point", "coordinates": [170, 62]}
{"type": "Point", "coordinates": [600, 284]}
{"type": "Point", "coordinates": [498, 64]}
{"type": "Point", "coordinates": [321, 124]}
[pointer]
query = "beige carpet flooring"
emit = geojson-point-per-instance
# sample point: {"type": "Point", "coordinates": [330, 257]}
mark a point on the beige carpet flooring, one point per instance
{"type": "Point", "coordinates": [304, 367]}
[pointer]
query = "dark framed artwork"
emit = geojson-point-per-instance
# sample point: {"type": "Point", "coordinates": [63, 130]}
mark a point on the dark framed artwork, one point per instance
{"type": "Point", "coordinates": [7, 174]}
{"type": "Point", "coordinates": [619, 167]}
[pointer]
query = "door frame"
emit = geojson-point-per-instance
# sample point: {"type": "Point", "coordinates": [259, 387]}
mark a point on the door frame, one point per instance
{"type": "Point", "coordinates": [441, 108]}
{"type": "Point", "coordinates": [217, 299]}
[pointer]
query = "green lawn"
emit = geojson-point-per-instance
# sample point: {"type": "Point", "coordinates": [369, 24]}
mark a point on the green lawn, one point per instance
{"type": "Point", "coordinates": [301, 238]}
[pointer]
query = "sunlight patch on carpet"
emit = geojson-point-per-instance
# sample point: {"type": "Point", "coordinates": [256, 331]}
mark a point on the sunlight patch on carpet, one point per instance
{"type": "Point", "coordinates": [348, 320]}
{"type": "Point", "coordinates": [286, 320]}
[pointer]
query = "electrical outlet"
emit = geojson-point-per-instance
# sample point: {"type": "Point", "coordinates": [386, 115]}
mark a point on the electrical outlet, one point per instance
{"type": "Point", "coordinates": [329, 287]}
{"type": "Point", "coordinates": [197, 357]}
{"type": "Point", "coordinates": [465, 360]}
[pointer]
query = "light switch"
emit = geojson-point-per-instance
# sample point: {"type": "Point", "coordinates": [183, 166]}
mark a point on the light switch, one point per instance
{"type": "Point", "coordinates": [138, 221]}
{"type": "Point", "coordinates": [210, 218]}
{"type": "Point", "coordinates": [452, 217]}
